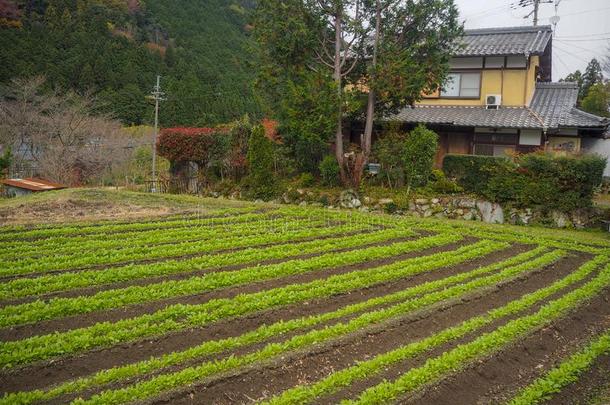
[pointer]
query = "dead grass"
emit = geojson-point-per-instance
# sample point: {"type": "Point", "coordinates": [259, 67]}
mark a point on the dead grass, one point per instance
{"type": "Point", "coordinates": [89, 204]}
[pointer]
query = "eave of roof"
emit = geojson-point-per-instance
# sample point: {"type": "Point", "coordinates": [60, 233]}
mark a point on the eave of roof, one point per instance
{"type": "Point", "coordinates": [504, 41]}
{"type": "Point", "coordinates": [552, 107]}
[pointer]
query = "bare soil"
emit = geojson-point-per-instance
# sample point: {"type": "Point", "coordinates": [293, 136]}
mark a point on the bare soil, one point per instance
{"type": "Point", "coordinates": [261, 382]}
{"type": "Point", "coordinates": [45, 373]}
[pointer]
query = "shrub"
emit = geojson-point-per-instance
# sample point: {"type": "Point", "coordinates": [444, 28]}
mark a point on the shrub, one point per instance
{"type": "Point", "coordinates": [208, 147]}
{"type": "Point", "coordinates": [563, 183]}
{"type": "Point", "coordinates": [441, 184]}
{"type": "Point", "coordinates": [407, 159]}
{"type": "Point", "coordinates": [261, 179]}
{"type": "Point", "coordinates": [5, 162]}
{"type": "Point", "coordinates": [388, 151]}
{"type": "Point", "coordinates": [418, 156]}
{"type": "Point", "coordinates": [307, 180]}
{"type": "Point", "coordinates": [329, 171]}
{"type": "Point", "coordinates": [471, 171]}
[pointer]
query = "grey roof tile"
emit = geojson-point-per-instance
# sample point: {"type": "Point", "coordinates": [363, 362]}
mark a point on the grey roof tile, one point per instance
{"type": "Point", "coordinates": [505, 41]}
{"type": "Point", "coordinates": [553, 106]}
{"type": "Point", "coordinates": [556, 103]}
{"type": "Point", "coordinates": [509, 117]}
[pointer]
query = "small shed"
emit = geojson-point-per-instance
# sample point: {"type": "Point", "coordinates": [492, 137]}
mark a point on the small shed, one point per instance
{"type": "Point", "coordinates": [20, 187]}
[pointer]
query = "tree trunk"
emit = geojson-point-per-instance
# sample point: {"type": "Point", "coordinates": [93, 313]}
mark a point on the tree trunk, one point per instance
{"type": "Point", "coordinates": [370, 107]}
{"type": "Point", "coordinates": [337, 78]}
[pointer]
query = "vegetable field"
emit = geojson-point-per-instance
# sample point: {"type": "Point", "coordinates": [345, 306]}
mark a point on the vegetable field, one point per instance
{"type": "Point", "coordinates": [298, 305]}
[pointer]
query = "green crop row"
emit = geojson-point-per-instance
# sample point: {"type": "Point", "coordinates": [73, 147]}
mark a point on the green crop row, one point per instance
{"type": "Point", "coordinates": [178, 317]}
{"type": "Point", "coordinates": [45, 265]}
{"type": "Point", "coordinates": [6, 229]}
{"type": "Point", "coordinates": [551, 238]}
{"type": "Point", "coordinates": [566, 373]}
{"type": "Point", "coordinates": [73, 260]}
{"type": "Point", "coordinates": [221, 216]}
{"type": "Point", "coordinates": [161, 383]}
{"type": "Point", "coordinates": [369, 368]}
{"type": "Point", "coordinates": [45, 284]}
{"type": "Point", "coordinates": [262, 333]}
{"type": "Point", "coordinates": [75, 245]}
{"type": "Point", "coordinates": [485, 345]}
{"type": "Point", "coordinates": [12, 315]}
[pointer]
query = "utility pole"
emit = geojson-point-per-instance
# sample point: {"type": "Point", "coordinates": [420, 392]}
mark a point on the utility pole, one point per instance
{"type": "Point", "coordinates": [529, 3]}
{"type": "Point", "coordinates": [158, 96]}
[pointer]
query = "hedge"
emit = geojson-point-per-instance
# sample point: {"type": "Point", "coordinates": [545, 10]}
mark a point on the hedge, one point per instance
{"type": "Point", "coordinates": [472, 171]}
{"type": "Point", "coordinates": [546, 181]}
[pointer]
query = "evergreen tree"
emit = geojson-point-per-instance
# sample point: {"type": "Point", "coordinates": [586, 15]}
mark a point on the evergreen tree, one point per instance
{"type": "Point", "coordinates": [261, 179]}
{"type": "Point", "coordinates": [597, 100]}
{"type": "Point", "coordinates": [593, 75]}
{"type": "Point", "coordinates": [115, 49]}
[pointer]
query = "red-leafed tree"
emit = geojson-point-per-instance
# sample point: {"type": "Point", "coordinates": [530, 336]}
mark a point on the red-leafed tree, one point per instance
{"type": "Point", "coordinates": [9, 13]}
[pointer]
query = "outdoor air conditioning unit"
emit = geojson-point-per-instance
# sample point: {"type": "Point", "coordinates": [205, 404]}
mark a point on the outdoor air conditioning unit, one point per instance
{"type": "Point", "coordinates": [493, 101]}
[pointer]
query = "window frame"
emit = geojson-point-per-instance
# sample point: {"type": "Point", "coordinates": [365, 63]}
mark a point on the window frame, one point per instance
{"type": "Point", "coordinates": [493, 142]}
{"type": "Point", "coordinates": [461, 72]}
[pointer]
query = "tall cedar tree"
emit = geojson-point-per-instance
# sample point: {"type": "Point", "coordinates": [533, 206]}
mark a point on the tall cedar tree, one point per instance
{"type": "Point", "coordinates": [412, 44]}
{"type": "Point", "coordinates": [593, 75]}
{"type": "Point", "coordinates": [324, 37]}
{"type": "Point", "coordinates": [396, 49]}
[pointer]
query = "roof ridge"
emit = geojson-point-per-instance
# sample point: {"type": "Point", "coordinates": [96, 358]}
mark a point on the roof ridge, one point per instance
{"type": "Point", "coordinates": [507, 30]}
{"type": "Point", "coordinates": [556, 85]}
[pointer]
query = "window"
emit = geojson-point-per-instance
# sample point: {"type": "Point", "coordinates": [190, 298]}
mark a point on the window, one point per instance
{"type": "Point", "coordinates": [495, 144]}
{"type": "Point", "coordinates": [462, 85]}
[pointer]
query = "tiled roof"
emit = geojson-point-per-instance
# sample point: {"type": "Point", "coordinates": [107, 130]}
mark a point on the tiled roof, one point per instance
{"type": "Point", "coordinates": [555, 103]}
{"type": "Point", "coordinates": [479, 116]}
{"type": "Point", "coordinates": [553, 106]}
{"type": "Point", "coordinates": [505, 41]}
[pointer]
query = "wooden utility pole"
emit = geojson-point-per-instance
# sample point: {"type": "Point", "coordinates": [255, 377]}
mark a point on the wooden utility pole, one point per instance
{"type": "Point", "coordinates": [536, 4]}
{"type": "Point", "coordinates": [158, 96]}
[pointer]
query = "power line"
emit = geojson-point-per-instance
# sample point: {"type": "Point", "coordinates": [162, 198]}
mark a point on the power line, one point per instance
{"type": "Point", "coordinates": [582, 12]}
{"type": "Point", "coordinates": [586, 35]}
{"type": "Point", "coordinates": [582, 40]}
{"type": "Point", "coordinates": [578, 47]}
{"type": "Point", "coordinates": [568, 52]}
{"type": "Point", "coordinates": [565, 65]}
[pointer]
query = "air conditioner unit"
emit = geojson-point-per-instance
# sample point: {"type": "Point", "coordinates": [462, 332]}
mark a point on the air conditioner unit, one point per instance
{"type": "Point", "coordinates": [493, 101]}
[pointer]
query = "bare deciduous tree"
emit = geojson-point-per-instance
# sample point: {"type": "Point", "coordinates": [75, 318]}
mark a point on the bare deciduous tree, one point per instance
{"type": "Point", "coordinates": [60, 136]}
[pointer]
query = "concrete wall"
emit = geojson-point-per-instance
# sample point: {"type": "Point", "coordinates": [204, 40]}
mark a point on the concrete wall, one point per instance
{"type": "Point", "coordinates": [599, 146]}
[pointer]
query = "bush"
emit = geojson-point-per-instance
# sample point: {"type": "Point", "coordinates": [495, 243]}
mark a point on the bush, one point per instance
{"type": "Point", "coordinates": [418, 156]}
{"type": "Point", "coordinates": [306, 180]}
{"type": "Point", "coordinates": [471, 171]}
{"type": "Point", "coordinates": [5, 162]}
{"type": "Point", "coordinates": [563, 183]}
{"type": "Point", "coordinates": [406, 159]}
{"type": "Point", "coordinates": [441, 184]}
{"type": "Point", "coordinates": [329, 171]}
{"type": "Point", "coordinates": [261, 180]}
{"type": "Point", "coordinates": [388, 151]}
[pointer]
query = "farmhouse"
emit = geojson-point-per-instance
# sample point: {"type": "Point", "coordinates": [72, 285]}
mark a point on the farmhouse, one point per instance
{"type": "Point", "coordinates": [500, 98]}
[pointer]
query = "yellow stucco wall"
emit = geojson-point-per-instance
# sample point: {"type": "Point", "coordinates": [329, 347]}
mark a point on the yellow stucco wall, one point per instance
{"type": "Point", "coordinates": [515, 85]}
